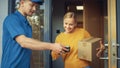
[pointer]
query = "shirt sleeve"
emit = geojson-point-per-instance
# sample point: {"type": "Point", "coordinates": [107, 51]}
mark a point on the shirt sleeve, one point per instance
{"type": "Point", "coordinates": [86, 34]}
{"type": "Point", "coordinates": [14, 27]}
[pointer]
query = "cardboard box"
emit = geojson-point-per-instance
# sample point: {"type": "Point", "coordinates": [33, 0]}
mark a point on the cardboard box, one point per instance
{"type": "Point", "coordinates": [87, 49]}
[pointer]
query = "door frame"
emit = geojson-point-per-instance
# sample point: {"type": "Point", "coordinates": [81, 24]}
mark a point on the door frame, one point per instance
{"type": "Point", "coordinates": [112, 36]}
{"type": "Point", "coordinates": [47, 31]}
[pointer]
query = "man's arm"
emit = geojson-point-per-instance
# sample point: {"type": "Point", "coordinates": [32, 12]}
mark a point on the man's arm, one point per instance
{"type": "Point", "coordinates": [33, 44]}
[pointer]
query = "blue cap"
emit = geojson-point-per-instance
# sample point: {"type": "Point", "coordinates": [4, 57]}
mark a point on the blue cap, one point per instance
{"type": "Point", "coordinates": [38, 1]}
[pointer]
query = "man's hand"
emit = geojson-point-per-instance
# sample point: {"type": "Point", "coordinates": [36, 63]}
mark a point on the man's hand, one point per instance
{"type": "Point", "coordinates": [58, 48]}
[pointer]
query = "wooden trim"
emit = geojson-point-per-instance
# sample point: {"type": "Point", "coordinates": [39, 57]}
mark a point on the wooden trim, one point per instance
{"type": "Point", "coordinates": [112, 45]}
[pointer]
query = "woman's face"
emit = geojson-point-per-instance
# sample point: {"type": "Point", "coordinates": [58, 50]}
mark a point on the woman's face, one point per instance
{"type": "Point", "coordinates": [69, 25]}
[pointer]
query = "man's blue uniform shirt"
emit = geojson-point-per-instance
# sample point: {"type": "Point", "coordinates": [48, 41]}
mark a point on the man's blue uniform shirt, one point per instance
{"type": "Point", "coordinates": [13, 55]}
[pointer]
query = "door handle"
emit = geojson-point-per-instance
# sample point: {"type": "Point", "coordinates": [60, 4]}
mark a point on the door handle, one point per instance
{"type": "Point", "coordinates": [106, 52]}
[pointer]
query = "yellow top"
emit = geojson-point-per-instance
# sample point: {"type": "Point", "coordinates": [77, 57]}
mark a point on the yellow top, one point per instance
{"type": "Point", "coordinates": [71, 59]}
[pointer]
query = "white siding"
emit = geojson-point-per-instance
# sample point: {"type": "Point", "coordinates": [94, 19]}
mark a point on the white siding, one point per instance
{"type": "Point", "coordinates": [3, 14]}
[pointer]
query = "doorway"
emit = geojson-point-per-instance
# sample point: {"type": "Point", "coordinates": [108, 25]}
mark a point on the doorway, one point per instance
{"type": "Point", "coordinates": [104, 17]}
{"type": "Point", "coordinates": [93, 17]}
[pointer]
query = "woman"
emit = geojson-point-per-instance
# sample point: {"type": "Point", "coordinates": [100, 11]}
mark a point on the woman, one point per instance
{"type": "Point", "coordinates": [70, 37]}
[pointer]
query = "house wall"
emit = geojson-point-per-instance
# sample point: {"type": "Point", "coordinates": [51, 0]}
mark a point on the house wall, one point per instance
{"type": "Point", "coordinates": [3, 14]}
{"type": "Point", "coordinates": [57, 26]}
{"type": "Point", "coordinates": [57, 17]}
{"type": "Point", "coordinates": [118, 30]}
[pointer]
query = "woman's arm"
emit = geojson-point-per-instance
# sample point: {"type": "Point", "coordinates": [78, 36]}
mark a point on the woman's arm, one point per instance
{"type": "Point", "coordinates": [100, 49]}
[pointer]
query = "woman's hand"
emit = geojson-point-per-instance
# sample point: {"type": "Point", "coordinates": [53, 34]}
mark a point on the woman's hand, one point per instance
{"type": "Point", "coordinates": [100, 50]}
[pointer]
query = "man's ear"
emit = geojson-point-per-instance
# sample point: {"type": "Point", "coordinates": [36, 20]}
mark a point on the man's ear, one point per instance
{"type": "Point", "coordinates": [21, 1]}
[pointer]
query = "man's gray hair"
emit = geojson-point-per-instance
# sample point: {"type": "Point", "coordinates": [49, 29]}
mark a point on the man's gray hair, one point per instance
{"type": "Point", "coordinates": [17, 3]}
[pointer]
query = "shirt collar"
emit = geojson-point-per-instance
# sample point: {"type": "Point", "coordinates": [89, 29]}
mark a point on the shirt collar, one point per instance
{"type": "Point", "coordinates": [22, 18]}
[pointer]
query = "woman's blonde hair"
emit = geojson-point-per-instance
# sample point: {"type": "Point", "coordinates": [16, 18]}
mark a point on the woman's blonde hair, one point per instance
{"type": "Point", "coordinates": [70, 15]}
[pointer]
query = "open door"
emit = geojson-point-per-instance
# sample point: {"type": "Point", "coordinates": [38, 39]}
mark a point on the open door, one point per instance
{"type": "Point", "coordinates": [101, 23]}
{"type": "Point", "coordinates": [93, 17]}
{"type": "Point", "coordinates": [93, 22]}
{"type": "Point", "coordinates": [99, 18]}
